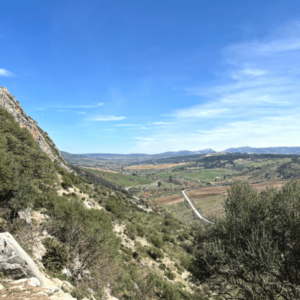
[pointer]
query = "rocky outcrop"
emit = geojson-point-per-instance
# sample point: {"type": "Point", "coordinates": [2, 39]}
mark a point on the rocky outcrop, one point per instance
{"type": "Point", "coordinates": [9, 103]}
{"type": "Point", "coordinates": [15, 263]}
{"type": "Point", "coordinates": [25, 215]}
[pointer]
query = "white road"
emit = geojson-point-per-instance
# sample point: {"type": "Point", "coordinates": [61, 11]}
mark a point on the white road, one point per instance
{"type": "Point", "coordinates": [194, 208]}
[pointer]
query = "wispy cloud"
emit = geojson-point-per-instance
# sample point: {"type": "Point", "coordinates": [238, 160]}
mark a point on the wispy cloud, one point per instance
{"type": "Point", "coordinates": [5, 73]}
{"type": "Point", "coordinates": [162, 123]}
{"type": "Point", "coordinates": [106, 118]}
{"type": "Point", "coordinates": [81, 112]}
{"type": "Point", "coordinates": [81, 106]}
{"type": "Point", "coordinates": [144, 139]}
{"type": "Point", "coordinates": [256, 104]}
{"type": "Point", "coordinates": [128, 125]}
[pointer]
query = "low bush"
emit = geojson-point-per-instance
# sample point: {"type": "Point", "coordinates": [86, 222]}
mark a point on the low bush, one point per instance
{"type": "Point", "coordinates": [170, 275]}
{"type": "Point", "coordinates": [140, 230]}
{"type": "Point", "coordinates": [156, 241]}
{"type": "Point", "coordinates": [131, 231]}
{"type": "Point", "coordinates": [56, 256]}
{"type": "Point", "coordinates": [115, 209]}
{"type": "Point", "coordinates": [155, 253]}
{"type": "Point", "coordinates": [168, 238]}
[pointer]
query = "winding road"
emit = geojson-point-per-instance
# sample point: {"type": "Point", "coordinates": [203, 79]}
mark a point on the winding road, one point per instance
{"type": "Point", "coordinates": [194, 208]}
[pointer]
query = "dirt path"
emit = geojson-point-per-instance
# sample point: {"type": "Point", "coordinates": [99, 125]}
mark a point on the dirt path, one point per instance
{"type": "Point", "coordinates": [194, 208]}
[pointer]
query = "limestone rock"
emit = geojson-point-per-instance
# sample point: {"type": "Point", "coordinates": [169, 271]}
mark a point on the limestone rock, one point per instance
{"type": "Point", "coordinates": [9, 103]}
{"type": "Point", "coordinates": [25, 215]}
{"type": "Point", "coordinates": [15, 263]}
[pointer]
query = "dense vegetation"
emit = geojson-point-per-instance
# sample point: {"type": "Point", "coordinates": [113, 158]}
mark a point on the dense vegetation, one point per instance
{"type": "Point", "coordinates": [83, 240]}
{"type": "Point", "coordinates": [253, 252]}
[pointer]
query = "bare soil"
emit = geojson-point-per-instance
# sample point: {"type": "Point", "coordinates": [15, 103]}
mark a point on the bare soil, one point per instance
{"type": "Point", "coordinates": [213, 192]}
{"type": "Point", "coordinates": [158, 167]}
{"type": "Point", "coordinates": [222, 190]}
{"type": "Point", "coordinates": [170, 199]}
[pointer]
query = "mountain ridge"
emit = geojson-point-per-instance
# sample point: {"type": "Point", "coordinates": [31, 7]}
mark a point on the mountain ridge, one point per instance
{"type": "Point", "coordinates": [13, 107]}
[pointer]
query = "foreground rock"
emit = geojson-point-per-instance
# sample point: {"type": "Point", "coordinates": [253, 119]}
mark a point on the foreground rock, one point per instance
{"type": "Point", "coordinates": [28, 289]}
{"type": "Point", "coordinates": [15, 263]}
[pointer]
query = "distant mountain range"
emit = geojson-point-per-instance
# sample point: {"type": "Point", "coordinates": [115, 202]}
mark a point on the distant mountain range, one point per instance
{"type": "Point", "coordinates": [267, 150]}
{"type": "Point", "coordinates": [143, 157]}
{"type": "Point", "coordinates": [169, 153]}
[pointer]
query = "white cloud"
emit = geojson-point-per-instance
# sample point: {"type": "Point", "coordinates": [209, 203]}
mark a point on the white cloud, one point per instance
{"type": "Point", "coordinates": [200, 111]}
{"type": "Point", "coordinates": [256, 104]}
{"type": "Point", "coordinates": [81, 106]}
{"type": "Point", "coordinates": [162, 123]}
{"type": "Point", "coordinates": [128, 125]}
{"type": "Point", "coordinates": [144, 139]}
{"type": "Point", "coordinates": [5, 73]}
{"type": "Point", "coordinates": [254, 72]}
{"type": "Point", "coordinates": [106, 118]}
{"type": "Point", "coordinates": [81, 112]}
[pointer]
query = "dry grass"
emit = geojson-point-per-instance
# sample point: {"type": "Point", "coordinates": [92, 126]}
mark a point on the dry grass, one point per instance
{"type": "Point", "coordinates": [100, 170]}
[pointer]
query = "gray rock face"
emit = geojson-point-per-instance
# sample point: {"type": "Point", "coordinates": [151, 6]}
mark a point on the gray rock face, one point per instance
{"type": "Point", "coordinates": [9, 103]}
{"type": "Point", "coordinates": [15, 263]}
{"type": "Point", "coordinates": [25, 215]}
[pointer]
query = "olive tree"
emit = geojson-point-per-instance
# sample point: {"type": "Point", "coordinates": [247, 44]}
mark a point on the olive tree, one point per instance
{"type": "Point", "coordinates": [253, 251]}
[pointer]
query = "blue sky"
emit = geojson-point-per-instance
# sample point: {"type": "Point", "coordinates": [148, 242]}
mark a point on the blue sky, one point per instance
{"type": "Point", "coordinates": [124, 76]}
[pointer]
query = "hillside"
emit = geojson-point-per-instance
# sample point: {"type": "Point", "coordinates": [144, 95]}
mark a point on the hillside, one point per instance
{"type": "Point", "coordinates": [133, 157]}
{"type": "Point", "coordinates": [89, 239]}
{"type": "Point", "coordinates": [267, 150]}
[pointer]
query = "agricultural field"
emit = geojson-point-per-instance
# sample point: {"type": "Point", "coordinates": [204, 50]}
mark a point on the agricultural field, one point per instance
{"type": "Point", "coordinates": [211, 200]}
{"type": "Point", "coordinates": [156, 167]}
{"type": "Point", "coordinates": [255, 164]}
{"type": "Point", "coordinates": [170, 199]}
{"type": "Point", "coordinates": [207, 175]}
{"type": "Point", "coordinates": [120, 179]}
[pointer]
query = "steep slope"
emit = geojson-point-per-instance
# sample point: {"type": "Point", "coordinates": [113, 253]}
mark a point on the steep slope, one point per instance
{"type": "Point", "coordinates": [82, 232]}
{"type": "Point", "coordinates": [9, 103]}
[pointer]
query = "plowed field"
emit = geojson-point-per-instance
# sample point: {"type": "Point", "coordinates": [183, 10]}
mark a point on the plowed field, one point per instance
{"type": "Point", "coordinates": [221, 190]}
{"type": "Point", "coordinates": [170, 199]}
{"type": "Point", "coordinates": [213, 192]}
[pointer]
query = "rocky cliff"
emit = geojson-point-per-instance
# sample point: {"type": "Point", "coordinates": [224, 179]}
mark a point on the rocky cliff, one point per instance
{"type": "Point", "coordinates": [9, 103]}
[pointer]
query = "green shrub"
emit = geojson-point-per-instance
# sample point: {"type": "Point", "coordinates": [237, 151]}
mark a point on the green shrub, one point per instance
{"type": "Point", "coordinates": [140, 230]}
{"type": "Point", "coordinates": [131, 231]}
{"type": "Point", "coordinates": [256, 244]}
{"type": "Point", "coordinates": [168, 238]}
{"type": "Point", "coordinates": [115, 209]}
{"type": "Point", "coordinates": [185, 261]}
{"type": "Point", "coordinates": [170, 275]}
{"type": "Point", "coordinates": [156, 241]}
{"type": "Point", "coordinates": [67, 182]}
{"type": "Point", "coordinates": [155, 253]}
{"type": "Point", "coordinates": [56, 256]}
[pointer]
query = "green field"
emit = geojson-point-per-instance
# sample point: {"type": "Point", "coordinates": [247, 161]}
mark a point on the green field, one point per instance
{"type": "Point", "coordinates": [256, 164]}
{"type": "Point", "coordinates": [120, 179]}
{"type": "Point", "coordinates": [203, 174]}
